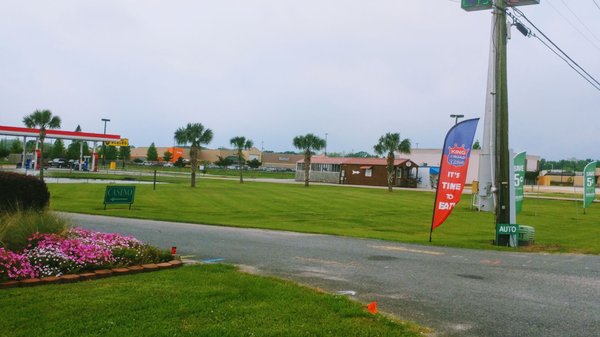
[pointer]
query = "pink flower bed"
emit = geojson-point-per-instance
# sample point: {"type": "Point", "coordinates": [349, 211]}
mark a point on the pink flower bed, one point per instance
{"type": "Point", "coordinates": [55, 255]}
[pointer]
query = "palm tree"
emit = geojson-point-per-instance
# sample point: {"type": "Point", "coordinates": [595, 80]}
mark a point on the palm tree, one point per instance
{"type": "Point", "coordinates": [43, 120]}
{"type": "Point", "coordinates": [307, 144]}
{"type": "Point", "coordinates": [388, 144]}
{"type": "Point", "coordinates": [241, 143]}
{"type": "Point", "coordinates": [195, 134]}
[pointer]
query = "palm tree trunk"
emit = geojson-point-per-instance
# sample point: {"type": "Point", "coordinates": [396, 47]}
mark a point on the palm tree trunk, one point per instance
{"type": "Point", "coordinates": [240, 166]}
{"type": "Point", "coordinates": [306, 169]}
{"type": "Point", "coordinates": [390, 171]}
{"type": "Point", "coordinates": [194, 163]}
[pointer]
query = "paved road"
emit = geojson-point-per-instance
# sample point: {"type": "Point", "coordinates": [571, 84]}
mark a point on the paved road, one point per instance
{"type": "Point", "coordinates": [456, 292]}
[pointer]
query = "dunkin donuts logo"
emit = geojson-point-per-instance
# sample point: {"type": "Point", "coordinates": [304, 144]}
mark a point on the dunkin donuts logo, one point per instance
{"type": "Point", "coordinates": [457, 156]}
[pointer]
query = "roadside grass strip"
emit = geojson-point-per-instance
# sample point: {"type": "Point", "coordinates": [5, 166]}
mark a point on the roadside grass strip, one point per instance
{"type": "Point", "coordinates": [199, 300]}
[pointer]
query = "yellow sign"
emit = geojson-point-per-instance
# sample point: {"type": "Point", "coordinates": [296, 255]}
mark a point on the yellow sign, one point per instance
{"type": "Point", "coordinates": [121, 142]}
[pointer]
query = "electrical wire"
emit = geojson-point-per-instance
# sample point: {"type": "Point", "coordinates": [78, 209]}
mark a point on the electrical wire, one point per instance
{"type": "Point", "coordinates": [580, 21]}
{"type": "Point", "coordinates": [567, 62]}
{"type": "Point", "coordinates": [595, 3]}
{"type": "Point", "coordinates": [556, 49]}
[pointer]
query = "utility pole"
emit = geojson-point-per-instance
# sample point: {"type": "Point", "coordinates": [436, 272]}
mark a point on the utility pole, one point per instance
{"type": "Point", "coordinates": [503, 160]}
{"type": "Point", "coordinates": [495, 161]}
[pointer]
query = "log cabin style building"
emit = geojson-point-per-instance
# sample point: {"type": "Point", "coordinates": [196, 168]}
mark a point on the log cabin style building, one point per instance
{"type": "Point", "coordinates": [358, 171]}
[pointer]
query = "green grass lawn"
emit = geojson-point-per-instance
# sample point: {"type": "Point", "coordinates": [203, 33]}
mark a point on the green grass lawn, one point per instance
{"type": "Point", "coordinates": [207, 300]}
{"type": "Point", "coordinates": [403, 215]}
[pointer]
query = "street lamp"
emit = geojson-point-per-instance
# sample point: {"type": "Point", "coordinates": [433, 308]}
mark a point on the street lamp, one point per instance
{"type": "Point", "coordinates": [456, 117]}
{"type": "Point", "coordinates": [105, 120]}
{"type": "Point", "coordinates": [326, 143]}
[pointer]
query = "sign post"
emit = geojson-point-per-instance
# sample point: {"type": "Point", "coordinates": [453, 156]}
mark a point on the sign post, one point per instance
{"type": "Point", "coordinates": [519, 168]}
{"type": "Point", "coordinates": [507, 235]}
{"type": "Point", "coordinates": [117, 194]}
{"type": "Point", "coordinates": [589, 184]}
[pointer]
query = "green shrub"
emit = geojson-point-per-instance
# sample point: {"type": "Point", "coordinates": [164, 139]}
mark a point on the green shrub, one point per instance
{"type": "Point", "coordinates": [140, 255]}
{"type": "Point", "coordinates": [16, 227]}
{"type": "Point", "coordinates": [22, 192]}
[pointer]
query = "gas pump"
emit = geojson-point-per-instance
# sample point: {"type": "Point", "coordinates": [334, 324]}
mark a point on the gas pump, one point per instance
{"type": "Point", "coordinates": [86, 163]}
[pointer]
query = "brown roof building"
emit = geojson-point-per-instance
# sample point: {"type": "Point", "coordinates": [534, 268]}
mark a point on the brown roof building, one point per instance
{"type": "Point", "coordinates": [358, 171]}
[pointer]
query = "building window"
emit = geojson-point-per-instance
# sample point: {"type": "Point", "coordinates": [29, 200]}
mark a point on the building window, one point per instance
{"type": "Point", "coordinates": [368, 172]}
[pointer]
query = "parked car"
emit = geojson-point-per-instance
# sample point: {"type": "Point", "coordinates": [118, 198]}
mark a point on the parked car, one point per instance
{"type": "Point", "coordinates": [168, 164]}
{"type": "Point", "coordinates": [57, 162]}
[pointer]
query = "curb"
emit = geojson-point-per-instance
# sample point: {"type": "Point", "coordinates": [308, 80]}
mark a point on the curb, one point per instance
{"type": "Point", "coordinates": [87, 276]}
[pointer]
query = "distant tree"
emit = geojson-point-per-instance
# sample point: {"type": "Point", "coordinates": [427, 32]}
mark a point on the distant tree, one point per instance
{"type": "Point", "coordinates": [387, 145]}
{"type": "Point", "coordinates": [254, 163]}
{"type": "Point", "coordinates": [4, 149]}
{"type": "Point", "coordinates": [360, 154]}
{"type": "Point", "coordinates": [152, 154]}
{"type": "Point", "coordinates": [476, 145]}
{"type": "Point", "coordinates": [335, 154]}
{"type": "Point", "coordinates": [241, 143]}
{"type": "Point", "coordinates": [223, 162]}
{"type": "Point", "coordinates": [74, 149]}
{"type": "Point", "coordinates": [16, 146]}
{"type": "Point", "coordinates": [167, 156]}
{"type": "Point", "coordinates": [43, 120]}
{"type": "Point", "coordinates": [179, 162]}
{"type": "Point", "coordinates": [307, 144]}
{"type": "Point", "coordinates": [58, 149]}
{"type": "Point", "coordinates": [30, 145]}
{"type": "Point", "coordinates": [124, 154]}
{"type": "Point", "coordinates": [111, 152]}
{"type": "Point", "coordinates": [195, 134]}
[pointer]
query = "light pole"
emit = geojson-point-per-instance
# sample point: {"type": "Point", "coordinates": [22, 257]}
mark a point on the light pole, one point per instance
{"type": "Point", "coordinates": [456, 117]}
{"type": "Point", "coordinates": [105, 120]}
{"type": "Point", "coordinates": [326, 143]}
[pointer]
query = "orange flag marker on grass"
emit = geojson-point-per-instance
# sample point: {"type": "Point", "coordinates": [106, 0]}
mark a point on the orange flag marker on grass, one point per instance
{"type": "Point", "coordinates": [372, 307]}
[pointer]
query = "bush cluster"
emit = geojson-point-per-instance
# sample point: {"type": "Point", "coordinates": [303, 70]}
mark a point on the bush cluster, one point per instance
{"type": "Point", "coordinates": [22, 192]}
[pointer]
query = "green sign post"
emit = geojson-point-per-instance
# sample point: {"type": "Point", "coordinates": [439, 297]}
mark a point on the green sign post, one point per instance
{"type": "Point", "coordinates": [507, 235]}
{"type": "Point", "coordinates": [519, 169]}
{"type": "Point", "coordinates": [116, 194]}
{"type": "Point", "coordinates": [589, 184]}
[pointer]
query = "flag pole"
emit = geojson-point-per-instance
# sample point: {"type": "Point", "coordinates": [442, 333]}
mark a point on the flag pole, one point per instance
{"type": "Point", "coordinates": [437, 190]}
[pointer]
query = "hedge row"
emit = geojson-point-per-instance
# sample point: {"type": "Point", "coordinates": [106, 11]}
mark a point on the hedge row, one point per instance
{"type": "Point", "coordinates": [22, 192]}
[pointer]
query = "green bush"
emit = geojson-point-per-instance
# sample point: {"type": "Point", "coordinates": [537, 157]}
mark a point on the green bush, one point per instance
{"type": "Point", "coordinates": [22, 192]}
{"type": "Point", "coordinates": [17, 227]}
{"type": "Point", "coordinates": [140, 255]}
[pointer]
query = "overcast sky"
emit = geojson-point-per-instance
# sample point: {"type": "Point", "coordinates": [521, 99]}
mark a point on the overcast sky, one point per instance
{"type": "Point", "coordinates": [270, 70]}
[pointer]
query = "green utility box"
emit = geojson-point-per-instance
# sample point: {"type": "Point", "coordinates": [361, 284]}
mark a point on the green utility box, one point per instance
{"type": "Point", "coordinates": [507, 235]}
{"type": "Point", "coordinates": [526, 235]}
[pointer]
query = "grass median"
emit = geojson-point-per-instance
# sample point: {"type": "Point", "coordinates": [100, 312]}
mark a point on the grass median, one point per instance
{"type": "Point", "coordinates": [207, 300]}
{"type": "Point", "coordinates": [404, 215]}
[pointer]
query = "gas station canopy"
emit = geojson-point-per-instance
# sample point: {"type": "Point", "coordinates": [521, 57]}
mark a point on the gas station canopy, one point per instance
{"type": "Point", "coordinates": [58, 134]}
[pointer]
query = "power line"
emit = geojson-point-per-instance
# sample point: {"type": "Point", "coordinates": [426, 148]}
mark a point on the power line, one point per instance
{"type": "Point", "coordinates": [556, 49]}
{"type": "Point", "coordinates": [567, 62]}
{"type": "Point", "coordinates": [572, 25]}
{"type": "Point", "coordinates": [579, 19]}
{"type": "Point", "coordinates": [595, 3]}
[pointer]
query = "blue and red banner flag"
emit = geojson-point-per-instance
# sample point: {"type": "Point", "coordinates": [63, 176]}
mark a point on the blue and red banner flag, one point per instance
{"type": "Point", "coordinates": [453, 170]}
